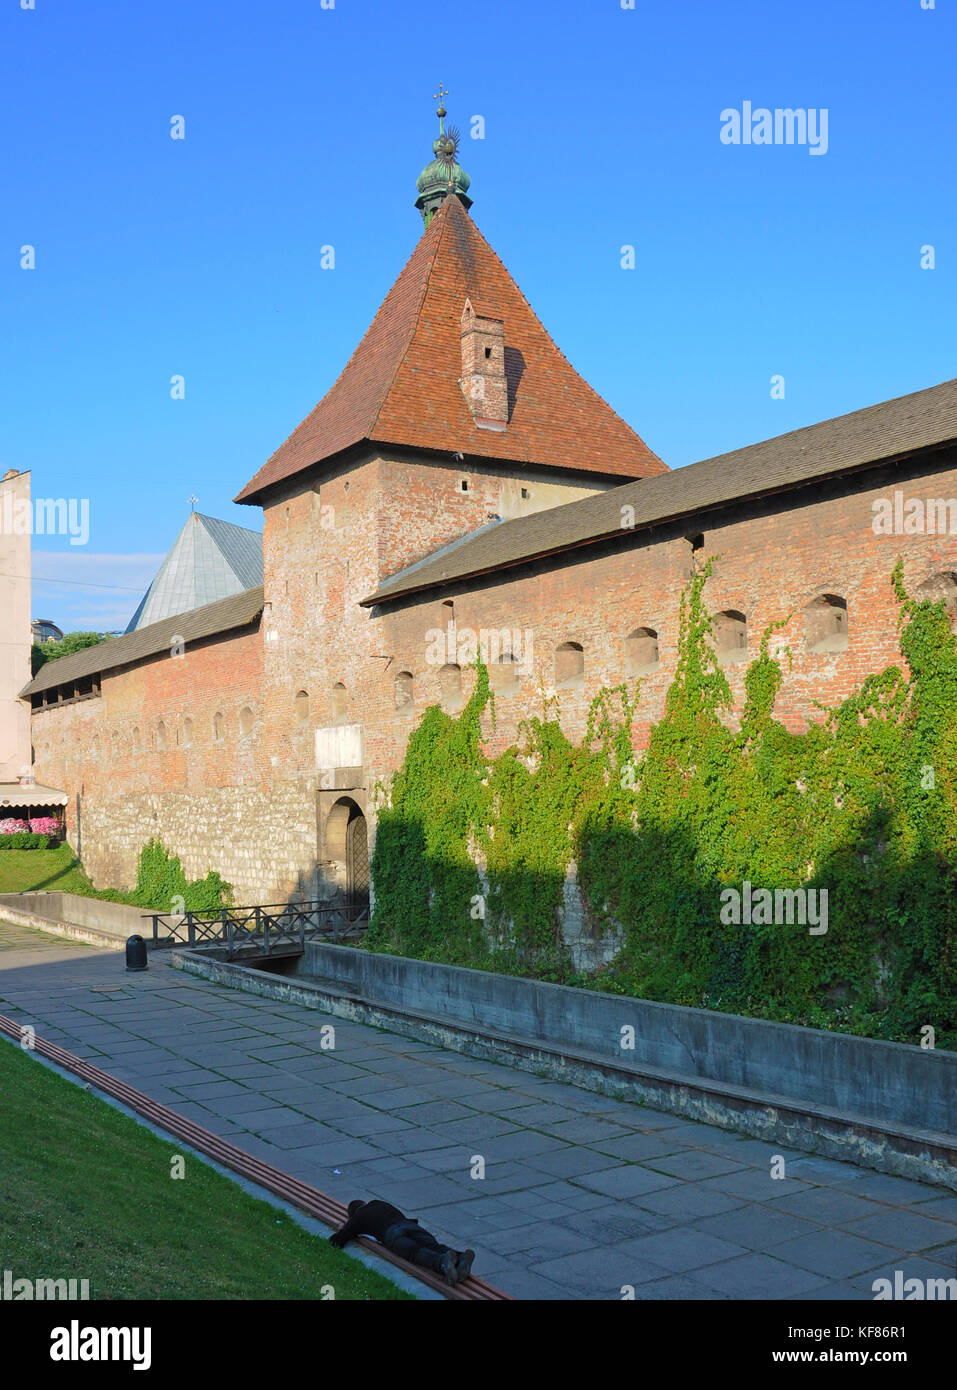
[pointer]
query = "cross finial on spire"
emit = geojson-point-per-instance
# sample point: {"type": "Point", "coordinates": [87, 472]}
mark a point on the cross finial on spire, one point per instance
{"type": "Point", "coordinates": [192, 503]}
{"type": "Point", "coordinates": [441, 112]}
{"type": "Point", "coordinates": [442, 177]}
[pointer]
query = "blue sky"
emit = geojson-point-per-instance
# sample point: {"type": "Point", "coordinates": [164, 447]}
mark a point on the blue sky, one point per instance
{"type": "Point", "coordinates": [307, 127]}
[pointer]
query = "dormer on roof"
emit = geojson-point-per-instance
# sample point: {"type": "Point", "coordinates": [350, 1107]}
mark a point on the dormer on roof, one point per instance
{"type": "Point", "coordinates": [483, 381]}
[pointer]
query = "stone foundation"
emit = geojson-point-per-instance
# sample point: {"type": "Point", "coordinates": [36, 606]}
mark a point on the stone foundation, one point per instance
{"type": "Point", "coordinates": [265, 847]}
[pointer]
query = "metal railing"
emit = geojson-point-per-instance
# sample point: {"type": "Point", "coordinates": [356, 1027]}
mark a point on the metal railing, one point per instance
{"type": "Point", "coordinates": [266, 929]}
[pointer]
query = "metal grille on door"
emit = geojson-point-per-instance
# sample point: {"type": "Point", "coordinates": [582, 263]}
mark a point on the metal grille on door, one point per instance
{"type": "Point", "coordinates": [357, 861]}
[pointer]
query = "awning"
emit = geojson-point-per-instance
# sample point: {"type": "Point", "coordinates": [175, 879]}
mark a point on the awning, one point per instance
{"type": "Point", "coordinates": [13, 794]}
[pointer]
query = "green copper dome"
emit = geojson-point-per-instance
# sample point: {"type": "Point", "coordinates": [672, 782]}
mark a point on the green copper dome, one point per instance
{"type": "Point", "coordinates": [443, 177]}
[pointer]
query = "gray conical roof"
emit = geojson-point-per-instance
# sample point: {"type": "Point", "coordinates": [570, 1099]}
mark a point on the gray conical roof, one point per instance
{"type": "Point", "coordinates": [209, 560]}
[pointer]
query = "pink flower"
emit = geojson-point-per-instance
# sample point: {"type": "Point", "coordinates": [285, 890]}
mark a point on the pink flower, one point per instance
{"type": "Point", "coordinates": [44, 825]}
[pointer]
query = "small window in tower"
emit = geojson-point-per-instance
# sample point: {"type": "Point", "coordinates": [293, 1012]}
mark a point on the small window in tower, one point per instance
{"type": "Point", "coordinates": [525, 492]}
{"type": "Point", "coordinates": [464, 485]}
{"type": "Point", "coordinates": [488, 352]}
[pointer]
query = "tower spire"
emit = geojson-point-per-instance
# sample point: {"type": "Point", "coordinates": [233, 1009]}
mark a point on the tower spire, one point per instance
{"type": "Point", "coordinates": [443, 177]}
{"type": "Point", "coordinates": [441, 112]}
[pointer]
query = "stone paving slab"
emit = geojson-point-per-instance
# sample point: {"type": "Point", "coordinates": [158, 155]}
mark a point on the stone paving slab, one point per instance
{"type": "Point", "coordinates": [826, 1252]}
{"type": "Point", "coordinates": [582, 1195]}
{"type": "Point", "coordinates": [755, 1227]}
{"type": "Point", "coordinates": [748, 1275]}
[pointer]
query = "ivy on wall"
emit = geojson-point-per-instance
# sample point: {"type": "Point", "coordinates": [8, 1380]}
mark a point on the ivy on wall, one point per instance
{"type": "Point", "coordinates": [472, 854]}
{"type": "Point", "coordinates": [162, 885]}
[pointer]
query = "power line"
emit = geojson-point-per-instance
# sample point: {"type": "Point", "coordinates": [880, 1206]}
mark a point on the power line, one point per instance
{"type": "Point", "coordinates": [78, 583]}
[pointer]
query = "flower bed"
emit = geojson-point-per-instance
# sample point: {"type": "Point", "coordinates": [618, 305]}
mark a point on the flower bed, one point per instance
{"type": "Point", "coordinates": [39, 832]}
{"type": "Point", "coordinates": [45, 825]}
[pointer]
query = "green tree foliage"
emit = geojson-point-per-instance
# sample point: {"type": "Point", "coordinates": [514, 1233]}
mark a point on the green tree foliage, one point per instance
{"type": "Point", "coordinates": [862, 805]}
{"type": "Point", "coordinates": [51, 650]}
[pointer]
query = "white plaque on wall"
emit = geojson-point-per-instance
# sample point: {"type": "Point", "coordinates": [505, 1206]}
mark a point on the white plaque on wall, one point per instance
{"type": "Point", "coordinates": [339, 745]}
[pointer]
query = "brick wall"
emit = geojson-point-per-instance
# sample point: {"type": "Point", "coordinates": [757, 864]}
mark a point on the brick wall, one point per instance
{"type": "Point", "coordinates": [769, 561]}
{"type": "Point", "coordinates": [217, 803]}
{"type": "Point", "coordinates": [256, 807]}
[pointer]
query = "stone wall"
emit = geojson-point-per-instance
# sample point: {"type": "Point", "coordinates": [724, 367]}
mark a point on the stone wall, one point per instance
{"type": "Point", "coordinates": [890, 1083]}
{"type": "Point", "coordinates": [263, 844]}
{"type": "Point", "coordinates": [145, 759]}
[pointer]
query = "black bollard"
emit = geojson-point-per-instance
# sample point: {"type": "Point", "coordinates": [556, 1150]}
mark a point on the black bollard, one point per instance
{"type": "Point", "coordinates": [136, 953]}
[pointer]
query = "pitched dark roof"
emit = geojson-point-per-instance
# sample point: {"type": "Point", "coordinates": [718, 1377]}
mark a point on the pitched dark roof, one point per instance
{"type": "Point", "coordinates": [401, 386]}
{"type": "Point", "coordinates": [893, 429]}
{"type": "Point", "coordinates": [228, 613]}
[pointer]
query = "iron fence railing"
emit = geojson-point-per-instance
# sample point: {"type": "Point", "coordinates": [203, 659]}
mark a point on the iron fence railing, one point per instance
{"type": "Point", "coordinates": [268, 928]}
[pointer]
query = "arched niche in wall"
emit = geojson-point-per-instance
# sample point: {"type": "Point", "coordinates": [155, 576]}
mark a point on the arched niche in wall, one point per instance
{"type": "Point", "coordinates": [825, 624]}
{"type": "Point", "coordinates": [941, 588]}
{"type": "Point", "coordinates": [450, 687]}
{"type": "Point", "coordinates": [404, 694]}
{"type": "Point", "coordinates": [569, 666]}
{"type": "Point", "coordinates": [641, 652]}
{"type": "Point", "coordinates": [730, 635]}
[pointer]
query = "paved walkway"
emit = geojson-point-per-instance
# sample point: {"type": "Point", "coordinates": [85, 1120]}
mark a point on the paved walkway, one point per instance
{"type": "Point", "coordinates": [582, 1194]}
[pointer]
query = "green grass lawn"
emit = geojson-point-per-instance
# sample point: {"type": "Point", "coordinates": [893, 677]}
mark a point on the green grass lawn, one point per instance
{"type": "Point", "coordinates": [86, 1193]}
{"type": "Point", "coordinates": [57, 870]}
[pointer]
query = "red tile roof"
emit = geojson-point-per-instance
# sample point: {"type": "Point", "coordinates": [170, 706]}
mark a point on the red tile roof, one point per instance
{"type": "Point", "coordinates": [400, 386]}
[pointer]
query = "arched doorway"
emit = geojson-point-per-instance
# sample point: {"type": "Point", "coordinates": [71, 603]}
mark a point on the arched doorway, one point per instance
{"type": "Point", "coordinates": [347, 847]}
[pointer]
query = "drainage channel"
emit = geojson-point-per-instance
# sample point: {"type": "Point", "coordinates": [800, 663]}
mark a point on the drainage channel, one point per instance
{"type": "Point", "coordinates": [308, 1199]}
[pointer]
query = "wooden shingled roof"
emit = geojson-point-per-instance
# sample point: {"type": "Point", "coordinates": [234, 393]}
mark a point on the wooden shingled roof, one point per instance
{"type": "Point", "coordinates": [893, 430]}
{"type": "Point", "coordinates": [400, 386]}
{"type": "Point", "coordinates": [213, 618]}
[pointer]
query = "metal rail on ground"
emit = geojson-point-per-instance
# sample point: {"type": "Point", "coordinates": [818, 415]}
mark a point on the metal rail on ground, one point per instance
{"type": "Point", "coordinates": [308, 1199]}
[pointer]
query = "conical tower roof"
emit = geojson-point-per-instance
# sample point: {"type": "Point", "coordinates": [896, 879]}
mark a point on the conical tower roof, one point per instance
{"type": "Point", "coordinates": [401, 385]}
{"type": "Point", "coordinates": [209, 560]}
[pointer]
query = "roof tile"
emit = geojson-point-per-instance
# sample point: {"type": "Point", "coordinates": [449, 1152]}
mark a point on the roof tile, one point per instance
{"type": "Point", "coordinates": [400, 386]}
